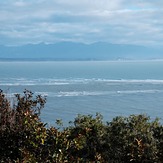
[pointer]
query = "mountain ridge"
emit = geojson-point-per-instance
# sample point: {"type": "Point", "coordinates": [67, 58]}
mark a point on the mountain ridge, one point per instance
{"type": "Point", "coordinates": [79, 51]}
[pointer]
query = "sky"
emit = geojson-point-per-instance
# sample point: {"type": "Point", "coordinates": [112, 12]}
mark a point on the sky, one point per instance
{"type": "Point", "coordinates": [138, 22]}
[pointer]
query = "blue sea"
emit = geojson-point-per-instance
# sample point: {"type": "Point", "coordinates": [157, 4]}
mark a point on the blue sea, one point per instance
{"type": "Point", "coordinates": [112, 88]}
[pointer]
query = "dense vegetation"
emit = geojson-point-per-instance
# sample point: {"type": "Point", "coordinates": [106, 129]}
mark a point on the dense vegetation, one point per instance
{"type": "Point", "coordinates": [24, 138]}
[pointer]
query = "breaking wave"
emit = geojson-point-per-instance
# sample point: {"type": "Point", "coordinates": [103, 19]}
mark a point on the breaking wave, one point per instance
{"type": "Point", "coordinates": [96, 93]}
{"type": "Point", "coordinates": [29, 82]}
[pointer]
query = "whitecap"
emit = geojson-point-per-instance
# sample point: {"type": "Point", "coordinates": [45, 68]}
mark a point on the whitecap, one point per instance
{"type": "Point", "coordinates": [139, 91]}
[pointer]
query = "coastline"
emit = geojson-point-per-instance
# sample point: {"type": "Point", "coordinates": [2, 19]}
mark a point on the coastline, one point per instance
{"type": "Point", "coordinates": [76, 60]}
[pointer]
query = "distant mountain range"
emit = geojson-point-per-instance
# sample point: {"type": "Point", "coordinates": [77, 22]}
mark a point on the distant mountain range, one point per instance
{"type": "Point", "coordinates": [79, 51]}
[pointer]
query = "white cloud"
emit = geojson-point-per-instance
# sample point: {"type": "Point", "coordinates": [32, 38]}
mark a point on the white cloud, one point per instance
{"type": "Point", "coordinates": [118, 21]}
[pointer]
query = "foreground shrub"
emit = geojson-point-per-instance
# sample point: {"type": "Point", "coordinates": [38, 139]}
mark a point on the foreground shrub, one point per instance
{"type": "Point", "coordinates": [131, 139]}
{"type": "Point", "coordinates": [21, 131]}
{"type": "Point", "coordinates": [24, 138]}
{"type": "Point", "coordinates": [86, 135]}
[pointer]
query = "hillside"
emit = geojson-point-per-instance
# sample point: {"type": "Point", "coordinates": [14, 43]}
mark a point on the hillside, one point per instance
{"type": "Point", "coordinates": [79, 51]}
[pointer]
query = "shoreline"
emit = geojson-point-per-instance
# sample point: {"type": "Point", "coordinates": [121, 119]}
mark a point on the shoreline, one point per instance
{"type": "Point", "coordinates": [75, 60]}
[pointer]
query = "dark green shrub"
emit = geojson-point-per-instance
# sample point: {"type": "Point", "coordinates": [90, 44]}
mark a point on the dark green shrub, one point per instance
{"type": "Point", "coordinates": [158, 135]}
{"type": "Point", "coordinates": [86, 137]}
{"type": "Point", "coordinates": [131, 139]}
{"type": "Point", "coordinates": [21, 131]}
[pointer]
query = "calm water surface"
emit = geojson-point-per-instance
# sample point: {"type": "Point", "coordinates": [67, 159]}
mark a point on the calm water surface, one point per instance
{"type": "Point", "coordinates": [112, 88]}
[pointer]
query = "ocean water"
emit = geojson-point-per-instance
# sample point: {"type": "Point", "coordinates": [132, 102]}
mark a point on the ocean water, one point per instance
{"type": "Point", "coordinates": [112, 88]}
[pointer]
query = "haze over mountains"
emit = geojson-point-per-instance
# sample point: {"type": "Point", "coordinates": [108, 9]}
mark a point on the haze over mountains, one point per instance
{"type": "Point", "coordinates": [79, 51]}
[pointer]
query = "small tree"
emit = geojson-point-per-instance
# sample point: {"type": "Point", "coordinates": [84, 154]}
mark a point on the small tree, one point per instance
{"type": "Point", "coordinates": [86, 137]}
{"type": "Point", "coordinates": [131, 139]}
{"type": "Point", "coordinates": [21, 132]}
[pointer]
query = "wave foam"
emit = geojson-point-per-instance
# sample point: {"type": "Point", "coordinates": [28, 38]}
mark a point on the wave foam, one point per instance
{"type": "Point", "coordinates": [96, 93]}
{"type": "Point", "coordinates": [32, 82]}
{"type": "Point", "coordinates": [139, 91]}
{"type": "Point", "coordinates": [79, 93]}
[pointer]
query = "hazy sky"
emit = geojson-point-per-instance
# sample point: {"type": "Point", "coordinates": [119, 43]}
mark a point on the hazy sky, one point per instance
{"type": "Point", "coordinates": [115, 21]}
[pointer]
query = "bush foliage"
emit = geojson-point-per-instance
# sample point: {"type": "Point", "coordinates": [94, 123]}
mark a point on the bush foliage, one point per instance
{"type": "Point", "coordinates": [24, 138]}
